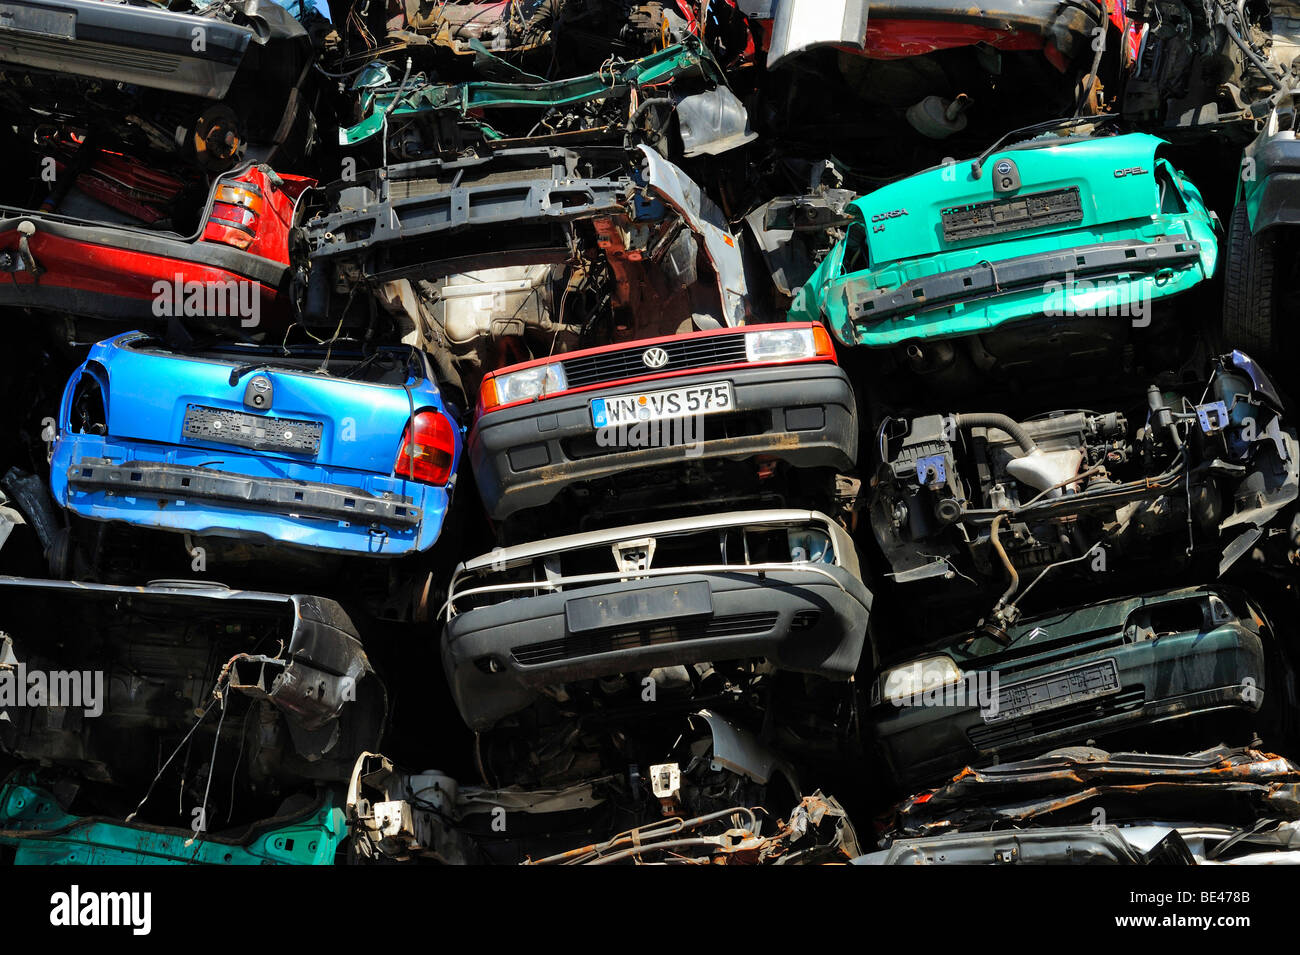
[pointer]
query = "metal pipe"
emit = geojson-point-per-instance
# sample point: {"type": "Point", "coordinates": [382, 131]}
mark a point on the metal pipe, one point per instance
{"type": "Point", "coordinates": [1006, 561]}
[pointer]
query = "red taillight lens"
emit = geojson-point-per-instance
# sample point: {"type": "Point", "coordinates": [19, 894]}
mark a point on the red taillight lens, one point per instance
{"type": "Point", "coordinates": [235, 210]}
{"type": "Point", "coordinates": [428, 449]}
{"type": "Point", "coordinates": [242, 194]}
{"type": "Point", "coordinates": [237, 216]}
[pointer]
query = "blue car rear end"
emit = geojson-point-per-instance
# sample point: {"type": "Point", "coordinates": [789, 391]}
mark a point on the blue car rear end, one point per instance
{"type": "Point", "coordinates": [309, 449]}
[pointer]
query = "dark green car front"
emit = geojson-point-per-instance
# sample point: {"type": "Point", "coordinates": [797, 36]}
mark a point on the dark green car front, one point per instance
{"type": "Point", "coordinates": [1068, 678]}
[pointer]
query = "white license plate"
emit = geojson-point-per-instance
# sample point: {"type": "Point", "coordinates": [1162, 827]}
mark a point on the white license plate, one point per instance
{"type": "Point", "coordinates": [1074, 685]}
{"type": "Point", "coordinates": [663, 405]}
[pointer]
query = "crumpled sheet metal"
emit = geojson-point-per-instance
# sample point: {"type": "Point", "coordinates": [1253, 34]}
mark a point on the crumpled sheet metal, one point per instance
{"type": "Point", "coordinates": [1033, 790]}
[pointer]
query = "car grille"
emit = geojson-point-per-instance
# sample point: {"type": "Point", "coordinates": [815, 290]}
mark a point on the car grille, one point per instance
{"type": "Point", "coordinates": [591, 644]}
{"type": "Point", "coordinates": [695, 352]}
{"type": "Point", "coordinates": [1021, 731]}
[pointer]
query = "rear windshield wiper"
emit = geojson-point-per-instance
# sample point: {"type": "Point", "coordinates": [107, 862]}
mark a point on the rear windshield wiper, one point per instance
{"type": "Point", "coordinates": [977, 165]}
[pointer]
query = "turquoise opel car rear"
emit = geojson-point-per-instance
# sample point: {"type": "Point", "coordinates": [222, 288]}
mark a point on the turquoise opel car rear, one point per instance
{"type": "Point", "coordinates": [1061, 224]}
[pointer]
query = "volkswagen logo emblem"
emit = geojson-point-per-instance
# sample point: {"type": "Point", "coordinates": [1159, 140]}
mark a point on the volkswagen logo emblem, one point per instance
{"type": "Point", "coordinates": [654, 357]}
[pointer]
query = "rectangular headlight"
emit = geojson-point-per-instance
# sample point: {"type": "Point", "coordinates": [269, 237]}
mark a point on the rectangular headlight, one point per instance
{"type": "Point", "coordinates": [780, 344]}
{"type": "Point", "coordinates": [530, 383]}
{"type": "Point", "coordinates": [909, 681]}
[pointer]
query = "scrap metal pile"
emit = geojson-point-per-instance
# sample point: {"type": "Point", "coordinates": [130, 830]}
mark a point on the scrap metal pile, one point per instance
{"type": "Point", "coordinates": [572, 432]}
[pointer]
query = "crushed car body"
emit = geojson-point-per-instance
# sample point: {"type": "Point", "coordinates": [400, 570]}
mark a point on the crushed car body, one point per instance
{"type": "Point", "coordinates": [240, 703]}
{"type": "Point", "coordinates": [605, 413]}
{"type": "Point", "coordinates": [1078, 674]}
{"type": "Point", "coordinates": [1220, 806]}
{"type": "Point", "coordinates": [309, 447]}
{"type": "Point", "coordinates": [720, 796]}
{"type": "Point", "coordinates": [1056, 225]}
{"type": "Point", "coordinates": [40, 831]}
{"type": "Point", "coordinates": [1259, 270]}
{"type": "Point", "coordinates": [391, 231]}
{"type": "Point", "coordinates": [123, 241]}
{"type": "Point", "coordinates": [208, 83]}
{"type": "Point", "coordinates": [617, 104]}
{"type": "Point", "coordinates": [780, 585]}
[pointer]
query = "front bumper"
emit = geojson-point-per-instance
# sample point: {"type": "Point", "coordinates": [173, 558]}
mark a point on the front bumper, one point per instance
{"type": "Point", "coordinates": [805, 415]}
{"type": "Point", "coordinates": [245, 497]}
{"type": "Point", "coordinates": [499, 658]}
{"type": "Point", "coordinates": [1171, 678]}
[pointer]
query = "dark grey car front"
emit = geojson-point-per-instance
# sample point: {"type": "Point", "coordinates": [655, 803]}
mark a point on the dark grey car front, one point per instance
{"type": "Point", "coordinates": [781, 585]}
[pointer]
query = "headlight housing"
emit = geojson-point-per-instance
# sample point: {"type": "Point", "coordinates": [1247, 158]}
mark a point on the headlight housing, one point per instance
{"type": "Point", "coordinates": [907, 682]}
{"type": "Point", "coordinates": [522, 385]}
{"type": "Point", "coordinates": [788, 344]}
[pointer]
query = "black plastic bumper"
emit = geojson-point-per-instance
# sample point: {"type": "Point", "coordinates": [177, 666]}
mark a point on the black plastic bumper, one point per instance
{"type": "Point", "coordinates": [868, 305]}
{"type": "Point", "coordinates": [804, 415]}
{"type": "Point", "coordinates": [145, 46]}
{"type": "Point", "coordinates": [498, 658]}
{"type": "Point", "coordinates": [283, 495]}
{"type": "Point", "coordinates": [1277, 169]}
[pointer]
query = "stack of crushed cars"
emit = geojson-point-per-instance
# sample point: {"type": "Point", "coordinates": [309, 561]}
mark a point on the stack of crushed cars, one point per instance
{"type": "Point", "coordinates": [566, 432]}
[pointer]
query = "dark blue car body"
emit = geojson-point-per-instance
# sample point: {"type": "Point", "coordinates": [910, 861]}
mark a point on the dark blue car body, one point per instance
{"type": "Point", "coordinates": [299, 449]}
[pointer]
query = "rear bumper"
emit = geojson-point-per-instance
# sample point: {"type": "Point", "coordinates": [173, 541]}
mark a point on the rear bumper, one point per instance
{"type": "Point", "coordinates": [143, 46]}
{"type": "Point", "coordinates": [525, 455]}
{"type": "Point", "coordinates": [228, 494]}
{"type": "Point", "coordinates": [104, 271]}
{"type": "Point", "coordinates": [976, 298]}
{"type": "Point", "coordinates": [498, 658]}
{"type": "Point", "coordinates": [1194, 675]}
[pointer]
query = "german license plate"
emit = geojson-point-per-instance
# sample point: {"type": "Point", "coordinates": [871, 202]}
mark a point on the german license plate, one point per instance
{"type": "Point", "coordinates": [22, 18]}
{"type": "Point", "coordinates": [251, 431]}
{"type": "Point", "coordinates": [1075, 685]}
{"type": "Point", "coordinates": [618, 410]}
{"type": "Point", "coordinates": [632, 607]}
{"type": "Point", "coordinates": [1032, 211]}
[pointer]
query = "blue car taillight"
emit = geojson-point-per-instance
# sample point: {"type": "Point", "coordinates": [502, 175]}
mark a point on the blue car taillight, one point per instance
{"type": "Point", "coordinates": [428, 449]}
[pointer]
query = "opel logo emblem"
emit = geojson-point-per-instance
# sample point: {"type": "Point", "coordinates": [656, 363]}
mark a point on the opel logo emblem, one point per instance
{"type": "Point", "coordinates": [258, 393]}
{"type": "Point", "coordinates": [1003, 168]}
{"type": "Point", "coordinates": [654, 357]}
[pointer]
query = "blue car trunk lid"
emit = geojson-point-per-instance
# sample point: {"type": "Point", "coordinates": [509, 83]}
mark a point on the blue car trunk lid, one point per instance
{"type": "Point", "coordinates": [334, 422]}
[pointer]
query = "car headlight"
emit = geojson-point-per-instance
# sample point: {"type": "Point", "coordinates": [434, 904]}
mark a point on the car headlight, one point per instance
{"type": "Point", "coordinates": [524, 384]}
{"type": "Point", "coordinates": [788, 344]}
{"type": "Point", "coordinates": [910, 680]}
